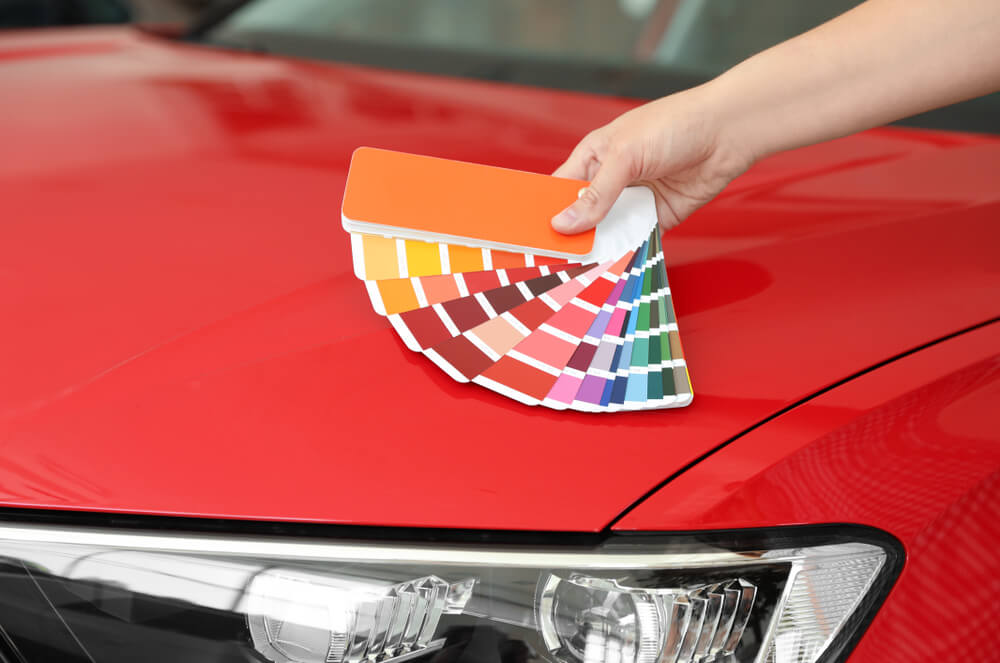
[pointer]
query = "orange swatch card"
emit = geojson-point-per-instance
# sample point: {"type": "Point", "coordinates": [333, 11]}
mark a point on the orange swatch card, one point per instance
{"type": "Point", "coordinates": [421, 197]}
{"type": "Point", "coordinates": [415, 197]}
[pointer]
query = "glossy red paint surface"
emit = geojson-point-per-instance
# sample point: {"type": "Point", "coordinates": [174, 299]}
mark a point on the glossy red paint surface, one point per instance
{"type": "Point", "coordinates": [913, 448]}
{"type": "Point", "coordinates": [183, 333]}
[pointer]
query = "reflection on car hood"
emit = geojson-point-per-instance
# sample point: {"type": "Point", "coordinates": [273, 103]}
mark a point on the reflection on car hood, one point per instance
{"type": "Point", "coordinates": [182, 332]}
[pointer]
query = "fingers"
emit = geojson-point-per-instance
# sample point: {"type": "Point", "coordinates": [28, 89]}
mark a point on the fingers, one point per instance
{"type": "Point", "coordinates": [596, 200]}
{"type": "Point", "coordinates": [577, 165]}
{"type": "Point", "coordinates": [665, 213]}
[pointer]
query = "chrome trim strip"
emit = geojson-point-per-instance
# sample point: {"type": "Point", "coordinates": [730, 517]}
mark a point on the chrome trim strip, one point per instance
{"type": "Point", "coordinates": [308, 549]}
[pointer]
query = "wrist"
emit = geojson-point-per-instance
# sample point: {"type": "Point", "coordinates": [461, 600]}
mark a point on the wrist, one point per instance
{"type": "Point", "coordinates": [734, 144]}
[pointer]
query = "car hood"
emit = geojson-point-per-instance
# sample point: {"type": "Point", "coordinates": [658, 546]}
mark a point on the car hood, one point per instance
{"type": "Point", "coordinates": [182, 332]}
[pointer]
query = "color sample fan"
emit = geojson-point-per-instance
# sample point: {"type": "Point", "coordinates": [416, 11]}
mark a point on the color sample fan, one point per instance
{"type": "Point", "coordinates": [462, 260]}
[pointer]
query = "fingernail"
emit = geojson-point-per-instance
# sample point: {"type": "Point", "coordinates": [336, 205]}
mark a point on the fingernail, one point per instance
{"type": "Point", "coordinates": [566, 219]}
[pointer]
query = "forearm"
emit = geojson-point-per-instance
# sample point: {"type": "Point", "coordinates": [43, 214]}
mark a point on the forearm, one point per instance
{"type": "Point", "coordinates": [883, 60]}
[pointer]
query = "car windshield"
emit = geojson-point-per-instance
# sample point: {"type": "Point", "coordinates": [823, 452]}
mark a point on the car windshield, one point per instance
{"type": "Point", "coordinates": [633, 48]}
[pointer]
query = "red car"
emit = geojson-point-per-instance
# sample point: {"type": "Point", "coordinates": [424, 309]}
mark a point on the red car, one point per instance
{"type": "Point", "coordinates": [212, 449]}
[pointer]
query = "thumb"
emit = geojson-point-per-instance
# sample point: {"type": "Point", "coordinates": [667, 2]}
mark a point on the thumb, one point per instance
{"type": "Point", "coordinates": [595, 201]}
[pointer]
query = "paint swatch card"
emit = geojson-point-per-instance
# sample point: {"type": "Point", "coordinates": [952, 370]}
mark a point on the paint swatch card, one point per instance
{"type": "Point", "coordinates": [444, 202]}
{"type": "Point", "coordinates": [482, 286]}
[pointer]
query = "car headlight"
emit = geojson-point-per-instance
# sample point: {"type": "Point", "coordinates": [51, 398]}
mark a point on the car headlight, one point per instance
{"type": "Point", "coordinates": [109, 596]}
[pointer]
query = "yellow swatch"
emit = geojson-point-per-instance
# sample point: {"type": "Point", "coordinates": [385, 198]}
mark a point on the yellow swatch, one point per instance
{"type": "Point", "coordinates": [422, 258]}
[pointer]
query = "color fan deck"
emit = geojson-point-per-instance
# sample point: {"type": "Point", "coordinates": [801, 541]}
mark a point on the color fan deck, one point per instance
{"type": "Point", "coordinates": [597, 337]}
{"type": "Point", "coordinates": [462, 260]}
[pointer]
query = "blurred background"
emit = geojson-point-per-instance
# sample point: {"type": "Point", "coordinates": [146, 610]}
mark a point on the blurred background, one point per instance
{"type": "Point", "coordinates": [632, 48]}
{"type": "Point", "coordinates": [50, 13]}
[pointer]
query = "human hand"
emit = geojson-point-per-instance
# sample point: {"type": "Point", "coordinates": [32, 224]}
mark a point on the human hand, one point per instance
{"type": "Point", "coordinates": [673, 145]}
{"type": "Point", "coordinates": [880, 61]}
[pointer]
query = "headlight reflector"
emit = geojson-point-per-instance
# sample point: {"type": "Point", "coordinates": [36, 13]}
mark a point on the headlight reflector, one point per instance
{"type": "Point", "coordinates": [600, 620]}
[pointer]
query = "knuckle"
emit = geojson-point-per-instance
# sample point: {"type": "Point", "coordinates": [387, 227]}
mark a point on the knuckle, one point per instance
{"type": "Point", "coordinates": [617, 148]}
{"type": "Point", "coordinates": [597, 141]}
{"type": "Point", "coordinates": [623, 153]}
{"type": "Point", "coordinates": [595, 137]}
{"type": "Point", "coordinates": [590, 196]}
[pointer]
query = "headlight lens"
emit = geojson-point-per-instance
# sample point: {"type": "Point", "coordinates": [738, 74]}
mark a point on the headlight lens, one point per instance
{"type": "Point", "coordinates": [107, 597]}
{"type": "Point", "coordinates": [587, 618]}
